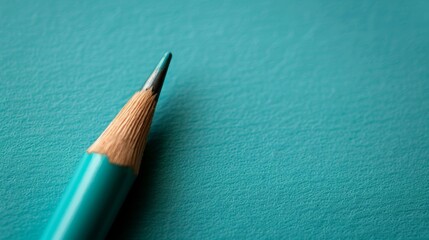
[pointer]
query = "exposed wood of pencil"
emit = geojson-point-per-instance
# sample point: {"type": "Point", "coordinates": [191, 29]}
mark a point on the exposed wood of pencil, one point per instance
{"type": "Point", "coordinates": [124, 139]}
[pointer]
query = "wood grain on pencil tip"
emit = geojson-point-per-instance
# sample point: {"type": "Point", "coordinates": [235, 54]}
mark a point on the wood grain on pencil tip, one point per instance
{"type": "Point", "coordinates": [124, 139]}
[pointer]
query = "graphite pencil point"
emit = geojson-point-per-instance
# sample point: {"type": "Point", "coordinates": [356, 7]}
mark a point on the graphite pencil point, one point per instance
{"type": "Point", "coordinates": [156, 79]}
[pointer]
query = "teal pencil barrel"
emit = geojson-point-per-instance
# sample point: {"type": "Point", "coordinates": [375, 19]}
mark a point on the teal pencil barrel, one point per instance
{"type": "Point", "coordinates": [91, 201]}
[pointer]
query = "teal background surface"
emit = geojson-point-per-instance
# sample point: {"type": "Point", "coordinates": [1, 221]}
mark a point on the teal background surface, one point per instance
{"type": "Point", "coordinates": [278, 119]}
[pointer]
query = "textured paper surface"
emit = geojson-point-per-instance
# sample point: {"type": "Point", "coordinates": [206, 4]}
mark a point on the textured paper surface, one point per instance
{"type": "Point", "coordinates": [279, 119]}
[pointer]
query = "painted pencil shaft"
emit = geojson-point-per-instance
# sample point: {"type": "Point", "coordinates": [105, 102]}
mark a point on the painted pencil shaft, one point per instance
{"type": "Point", "coordinates": [91, 200]}
{"type": "Point", "coordinates": [108, 169]}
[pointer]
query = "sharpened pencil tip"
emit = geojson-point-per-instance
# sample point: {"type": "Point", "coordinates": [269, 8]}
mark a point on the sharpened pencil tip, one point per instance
{"type": "Point", "coordinates": [156, 79]}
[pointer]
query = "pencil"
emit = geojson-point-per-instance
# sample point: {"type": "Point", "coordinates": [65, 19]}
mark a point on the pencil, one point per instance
{"type": "Point", "coordinates": [108, 168]}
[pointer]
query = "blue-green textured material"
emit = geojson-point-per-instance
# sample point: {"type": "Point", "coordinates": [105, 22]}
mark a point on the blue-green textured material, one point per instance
{"type": "Point", "coordinates": [91, 201]}
{"type": "Point", "coordinates": [278, 119]}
